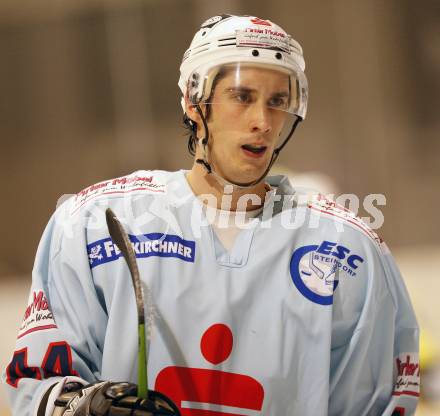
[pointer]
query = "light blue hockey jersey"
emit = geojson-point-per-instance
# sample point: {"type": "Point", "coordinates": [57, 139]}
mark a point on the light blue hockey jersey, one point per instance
{"type": "Point", "coordinates": [306, 315]}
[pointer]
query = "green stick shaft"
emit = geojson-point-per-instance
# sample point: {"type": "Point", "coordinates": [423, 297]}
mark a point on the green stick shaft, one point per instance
{"type": "Point", "coordinates": [142, 364]}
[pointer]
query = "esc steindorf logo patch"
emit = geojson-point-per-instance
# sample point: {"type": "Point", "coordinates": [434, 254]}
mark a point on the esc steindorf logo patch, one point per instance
{"type": "Point", "coordinates": [145, 245]}
{"type": "Point", "coordinates": [315, 269]}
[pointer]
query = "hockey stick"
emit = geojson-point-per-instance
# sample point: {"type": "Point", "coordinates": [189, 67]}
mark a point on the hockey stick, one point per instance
{"type": "Point", "coordinates": [120, 238]}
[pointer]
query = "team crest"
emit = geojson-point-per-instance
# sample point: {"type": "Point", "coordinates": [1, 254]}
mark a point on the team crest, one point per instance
{"type": "Point", "coordinates": [315, 269]}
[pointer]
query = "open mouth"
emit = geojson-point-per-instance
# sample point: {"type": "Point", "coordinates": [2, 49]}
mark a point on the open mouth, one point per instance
{"type": "Point", "coordinates": [254, 149]}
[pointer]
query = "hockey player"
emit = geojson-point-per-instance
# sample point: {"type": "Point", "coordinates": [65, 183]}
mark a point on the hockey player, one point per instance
{"type": "Point", "coordinates": [257, 302]}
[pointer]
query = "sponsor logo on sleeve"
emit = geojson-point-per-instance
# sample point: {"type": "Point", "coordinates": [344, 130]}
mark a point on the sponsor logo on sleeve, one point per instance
{"type": "Point", "coordinates": [408, 375]}
{"type": "Point", "coordinates": [122, 185]}
{"type": "Point", "coordinates": [315, 269]}
{"type": "Point", "coordinates": [38, 315]}
{"type": "Point", "coordinates": [333, 210]}
{"type": "Point", "coordinates": [146, 245]}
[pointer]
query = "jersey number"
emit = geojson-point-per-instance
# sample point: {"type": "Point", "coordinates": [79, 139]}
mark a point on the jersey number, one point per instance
{"type": "Point", "coordinates": [56, 362]}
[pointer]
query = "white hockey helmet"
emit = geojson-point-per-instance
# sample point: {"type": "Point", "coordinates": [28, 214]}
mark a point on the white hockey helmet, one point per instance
{"type": "Point", "coordinates": [245, 40]}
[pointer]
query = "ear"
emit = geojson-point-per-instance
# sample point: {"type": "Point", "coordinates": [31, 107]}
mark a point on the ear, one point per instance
{"type": "Point", "coordinates": [193, 114]}
{"type": "Point", "coordinates": [191, 111]}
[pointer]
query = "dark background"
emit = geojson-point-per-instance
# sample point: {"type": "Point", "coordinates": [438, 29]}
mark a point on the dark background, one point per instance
{"type": "Point", "coordinates": [88, 92]}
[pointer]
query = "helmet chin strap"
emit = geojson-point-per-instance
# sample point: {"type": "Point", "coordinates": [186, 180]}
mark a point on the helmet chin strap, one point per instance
{"type": "Point", "coordinates": [204, 161]}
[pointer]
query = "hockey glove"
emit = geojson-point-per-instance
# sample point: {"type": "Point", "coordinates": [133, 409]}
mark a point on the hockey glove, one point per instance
{"type": "Point", "coordinates": [113, 399]}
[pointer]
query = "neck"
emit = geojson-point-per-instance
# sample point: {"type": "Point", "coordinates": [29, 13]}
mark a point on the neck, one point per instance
{"type": "Point", "coordinates": [227, 197]}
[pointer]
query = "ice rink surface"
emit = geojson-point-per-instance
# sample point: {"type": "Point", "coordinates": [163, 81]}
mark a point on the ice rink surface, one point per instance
{"type": "Point", "coordinates": [419, 266]}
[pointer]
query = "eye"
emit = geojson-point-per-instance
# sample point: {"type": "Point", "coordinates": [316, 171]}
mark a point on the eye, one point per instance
{"type": "Point", "coordinates": [242, 97]}
{"type": "Point", "coordinates": [278, 102]}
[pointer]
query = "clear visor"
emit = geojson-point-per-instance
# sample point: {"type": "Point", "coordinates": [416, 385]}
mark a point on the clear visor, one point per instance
{"type": "Point", "coordinates": [246, 87]}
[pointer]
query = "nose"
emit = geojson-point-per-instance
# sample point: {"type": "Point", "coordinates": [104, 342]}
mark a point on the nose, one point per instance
{"type": "Point", "coordinates": [260, 118]}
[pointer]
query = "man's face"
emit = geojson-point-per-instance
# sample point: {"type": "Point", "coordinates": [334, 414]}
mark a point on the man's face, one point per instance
{"type": "Point", "coordinates": [246, 120]}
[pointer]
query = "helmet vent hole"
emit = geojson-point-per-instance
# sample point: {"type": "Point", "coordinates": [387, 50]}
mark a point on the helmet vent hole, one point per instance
{"type": "Point", "coordinates": [278, 55]}
{"type": "Point", "coordinates": [255, 53]}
